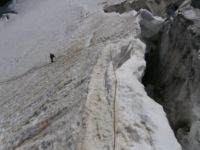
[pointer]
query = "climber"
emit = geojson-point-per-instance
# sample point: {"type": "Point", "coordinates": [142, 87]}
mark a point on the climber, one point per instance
{"type": "Point", "coordinates": [52, 57]}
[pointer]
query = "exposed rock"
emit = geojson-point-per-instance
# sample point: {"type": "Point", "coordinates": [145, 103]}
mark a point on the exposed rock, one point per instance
{"type": "Point", "coordinates": [3, 2]}
{"type": "Point", "coordinates": [195, 3]}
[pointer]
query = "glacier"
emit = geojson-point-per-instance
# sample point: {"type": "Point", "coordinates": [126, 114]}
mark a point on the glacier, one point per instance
{"type": "Point", "coordinates": [91, 97]}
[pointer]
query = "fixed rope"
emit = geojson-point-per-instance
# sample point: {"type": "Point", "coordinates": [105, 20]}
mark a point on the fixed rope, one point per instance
{"type": "Point", "coordinates": [114, 104]}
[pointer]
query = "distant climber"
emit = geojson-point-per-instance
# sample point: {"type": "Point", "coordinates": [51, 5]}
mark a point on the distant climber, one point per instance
{"type": "Point", "coordinates": [52, 57]}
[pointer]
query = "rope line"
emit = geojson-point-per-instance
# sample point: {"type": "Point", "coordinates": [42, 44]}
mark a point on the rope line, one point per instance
{"type": "Point", "coordinates": [114, 105]}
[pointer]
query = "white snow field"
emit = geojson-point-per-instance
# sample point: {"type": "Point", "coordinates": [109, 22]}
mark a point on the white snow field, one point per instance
{"type": "Point", "coordinates": [39, 27]}
{"type": "Point", "coordinates": [91, 97]}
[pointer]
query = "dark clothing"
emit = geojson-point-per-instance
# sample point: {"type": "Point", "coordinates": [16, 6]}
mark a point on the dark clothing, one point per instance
{"type": "Point", "coordinates": [52, 56]}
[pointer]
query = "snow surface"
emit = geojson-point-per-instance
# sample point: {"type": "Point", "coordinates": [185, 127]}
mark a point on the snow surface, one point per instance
{"type": "Point", "coordinates": [39, 27]}
{"type": "Point", "coordinates": [50, 102]}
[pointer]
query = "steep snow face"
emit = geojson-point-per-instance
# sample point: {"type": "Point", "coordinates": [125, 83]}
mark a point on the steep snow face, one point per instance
{"type": "Point", "coordinates": [91, 97]}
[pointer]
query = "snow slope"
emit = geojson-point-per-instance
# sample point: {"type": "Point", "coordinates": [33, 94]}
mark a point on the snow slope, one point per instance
{"type": "Point", "coordinates": [91, 97]}
{"type": "Point", "coordinates": [39, 28]}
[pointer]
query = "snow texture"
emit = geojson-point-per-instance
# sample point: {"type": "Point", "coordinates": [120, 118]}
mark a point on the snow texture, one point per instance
{"type": "Point", "coordinates": [91, 97]}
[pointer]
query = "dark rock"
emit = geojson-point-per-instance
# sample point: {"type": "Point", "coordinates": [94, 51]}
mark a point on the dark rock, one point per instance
{"type": "Point", "coordinates": [5, 10]}
{"type": "Point", "coordinates": [4, 2]}
{"type": "Point", "coordinates": [195, 3]}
